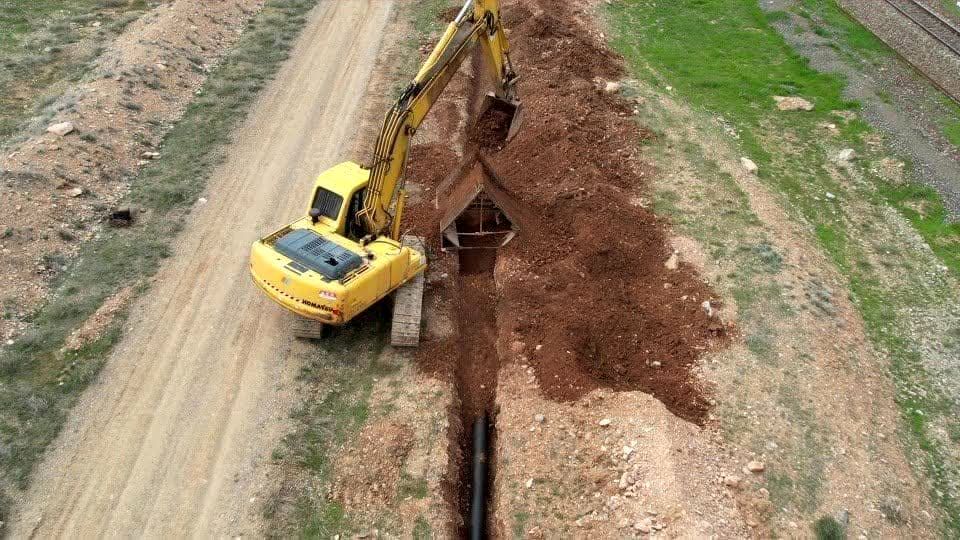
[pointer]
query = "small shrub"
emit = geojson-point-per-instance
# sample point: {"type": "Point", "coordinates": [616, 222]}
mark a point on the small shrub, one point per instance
{"type": "Point", "coordinates": [828, 528]}
{"type": "Point", "coordinates": [88, 137]}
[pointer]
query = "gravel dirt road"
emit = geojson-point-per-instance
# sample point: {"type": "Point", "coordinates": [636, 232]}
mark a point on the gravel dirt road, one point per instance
{"type": "Point", "coordinates": [175, 438]}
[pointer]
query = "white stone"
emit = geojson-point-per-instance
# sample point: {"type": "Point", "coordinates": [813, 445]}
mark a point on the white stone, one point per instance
{"type": "Point", "coordinates": [831, 196]}
{"type": "Point", "coordinates": [61, 129]}
{"type": "Point", "coordinates": [748, 165]}
{"type": "Point", "coordinates": [755, 466]}
{"type": "Point", "coordinates": [75, 192]}
{"type": "Point", "coordinates": [605, 422]}
{"type": "Point", "coordinates": [846, 154]}
{"type": "Point", "coordinates": [202, 200]}
{"type": "Point", "coordinates": [793, 103]}
{"type": "Point", "coordinates": [530, 483]}
{"type": "Point", "coordinates": [673, 261]}
{"type": "Point", "coordinates": [612, 87]}
{"type": "Point", "coordinates": [540, 418]}
{"type": "Point", "coordinates": [644, 525]}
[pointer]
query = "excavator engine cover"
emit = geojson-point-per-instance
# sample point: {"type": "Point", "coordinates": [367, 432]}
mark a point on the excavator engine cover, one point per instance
{"type": "Point", "coordinates": [509, 113]}
{"type": "Point", "coordinates": [315, 252]}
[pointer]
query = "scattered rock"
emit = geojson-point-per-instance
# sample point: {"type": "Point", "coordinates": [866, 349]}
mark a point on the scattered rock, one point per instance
{"type": "Point", "coordinates": [539, 418]}
{"type": "Point", "coordinates": [843, 518]}
{"type": "Point", "coordinates": [529, 483]}
{"type": "Point", "coordinates": [672, 262]}
{"type": "Point", "coordinates": [644, 526]}
{"type": "Point", "coordinates": [749, 165]}
{"type": "Point", "coordinates": [150, 155]}
{"type": "Point", "coordinates": [755, 466]}
{"type": "Point", "coordinates": [793, 103]}
{"type": "Point", "coordinates": [707, 308]}
{"type": "Point", "coordinates": [202, 200]}
{"type": "Point", "coordinates": [605, 422]}
{"type": "Point", "coordinates": [846, 155]}
{"type": "Point", "coordinates": [831, 196]}
{"type": "Point", "coordinates": [61, 129]}
{"type": "Point", "coordinates": [732, 481]}
{"type": "Point", "coordinates": [612, 87]}
{"type": "Point", "coordinates": [655, 364]}
{"type": "Point", "coordinates": [75, 192]}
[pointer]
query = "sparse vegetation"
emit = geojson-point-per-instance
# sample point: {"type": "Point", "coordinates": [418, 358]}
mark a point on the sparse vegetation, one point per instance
{"type": "Point", "coordinates": [38, 381]}
{"type": "Point", "coordinates": [34, 55]}
{"type": "Point", "coordinates": [335, 406]}
{"type": "Point", "coordinates": [742, 62]}
{"type": "Point", "coordinates": [828, 528]}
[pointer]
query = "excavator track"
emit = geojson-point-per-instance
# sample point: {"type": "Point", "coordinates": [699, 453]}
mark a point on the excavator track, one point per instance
{"type": "Point", "coordinates": [305, 328]}
{"type": "Point", "coordinates": [408, 304]}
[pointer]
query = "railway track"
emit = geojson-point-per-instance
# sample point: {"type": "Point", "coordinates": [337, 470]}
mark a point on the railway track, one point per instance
{"type": "Point", "coordinates": [932, 23]}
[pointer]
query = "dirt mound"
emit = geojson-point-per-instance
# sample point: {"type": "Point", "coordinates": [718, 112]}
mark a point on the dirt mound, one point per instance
{"type": "Point", "coordinates": [585, 298]}
{"type": "Point", "coordinates": [490, 130]}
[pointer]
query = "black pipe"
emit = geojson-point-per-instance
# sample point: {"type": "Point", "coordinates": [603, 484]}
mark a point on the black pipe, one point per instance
{"type": "Point", "coordinates": [478, 506]}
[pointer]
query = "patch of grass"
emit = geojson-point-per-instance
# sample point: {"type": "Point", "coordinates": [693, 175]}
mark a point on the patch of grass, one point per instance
{"type": "Point", "coordinates": [415, 487]}
{"type": "Point", "coordinates": [421, 529]}
{"type": "Point", "coordinates": [520, 520]}
{"type": "Point", "coordinates": [38, 382]}
{"type": "Point", "coordinates": [33, 62]}
{"type": "Point", "coordinates": [951, 130]}
{"type": "Point", "coordinates": [335, 406]}
{"type": "Point", "coordinates": [828, 528]}
{"type": "Point", "coordinates": [742, 62]}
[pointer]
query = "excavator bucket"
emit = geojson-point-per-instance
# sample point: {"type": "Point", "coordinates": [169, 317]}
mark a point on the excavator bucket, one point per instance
{"type": "Point", "coordinates": [499, 120]}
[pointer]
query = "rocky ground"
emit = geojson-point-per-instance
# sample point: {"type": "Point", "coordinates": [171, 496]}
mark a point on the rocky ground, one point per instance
{"type": "Point", "coordinates": [61, 182]}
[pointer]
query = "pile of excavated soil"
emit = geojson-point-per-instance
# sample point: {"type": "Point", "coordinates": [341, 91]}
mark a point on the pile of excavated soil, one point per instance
{"type": "Point", "coordinates": [583, 294]}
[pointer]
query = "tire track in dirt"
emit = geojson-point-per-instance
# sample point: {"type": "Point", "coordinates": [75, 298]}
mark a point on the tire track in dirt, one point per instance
{"type": "Point", "coordinates": [175, 437]}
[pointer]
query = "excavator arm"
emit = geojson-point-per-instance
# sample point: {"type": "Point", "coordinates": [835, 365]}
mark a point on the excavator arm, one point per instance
{"type": "Point", "coordinates": [478, 23]}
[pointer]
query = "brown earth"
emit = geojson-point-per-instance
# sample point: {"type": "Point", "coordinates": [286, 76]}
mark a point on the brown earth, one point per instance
{"type": "Point", "coordinates": [54, 189]}
{"type": "Point", "coordinates": [583, 294]}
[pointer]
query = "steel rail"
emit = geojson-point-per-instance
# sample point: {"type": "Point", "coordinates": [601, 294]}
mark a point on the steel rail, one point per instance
{"type": "Point", "coordinates": [895, 4]}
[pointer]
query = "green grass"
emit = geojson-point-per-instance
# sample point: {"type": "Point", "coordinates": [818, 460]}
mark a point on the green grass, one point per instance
{"type": "Point", "coordinates": [741, 62]}
{"type": "Point", "coordinates": [38, 382]}
{"type": "Point", "coordinates": [952, 6]}
{"type": "Point", "coordinates": [337, 381]}
{"type": "Point", "coordinates": [34, 63]}
{"type": "Point", "coordinates": [951, 130]}
{"type": "Point", "coordinates": [828, 528]}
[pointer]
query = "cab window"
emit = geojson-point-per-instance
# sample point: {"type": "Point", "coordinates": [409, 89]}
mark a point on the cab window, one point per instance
{"type": "Point", "coordinates": [328, 203]}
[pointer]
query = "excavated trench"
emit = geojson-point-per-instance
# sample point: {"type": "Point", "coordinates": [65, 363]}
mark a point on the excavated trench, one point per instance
{"type": "Point", "coordinates": [479, 230]}
{"type": "Point", "coordinates": [589, 300]}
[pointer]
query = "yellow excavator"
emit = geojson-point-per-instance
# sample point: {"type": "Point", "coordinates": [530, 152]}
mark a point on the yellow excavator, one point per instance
{"type": "Point", "coordinates": [347, 252]}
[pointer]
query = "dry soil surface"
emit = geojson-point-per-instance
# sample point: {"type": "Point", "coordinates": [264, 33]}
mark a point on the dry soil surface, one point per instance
{"type": "Point", "coordinates": [176, 437]}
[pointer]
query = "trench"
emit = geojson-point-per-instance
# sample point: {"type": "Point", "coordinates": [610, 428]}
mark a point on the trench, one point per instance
{"type": "Point", "coordinates": [475, 374]}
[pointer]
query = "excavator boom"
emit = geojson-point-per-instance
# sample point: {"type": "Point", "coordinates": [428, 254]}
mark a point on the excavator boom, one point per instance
{"type": "Point", "coordinates": [348, 253]}
{"type": "Point", "coordinates": [478, 23]}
